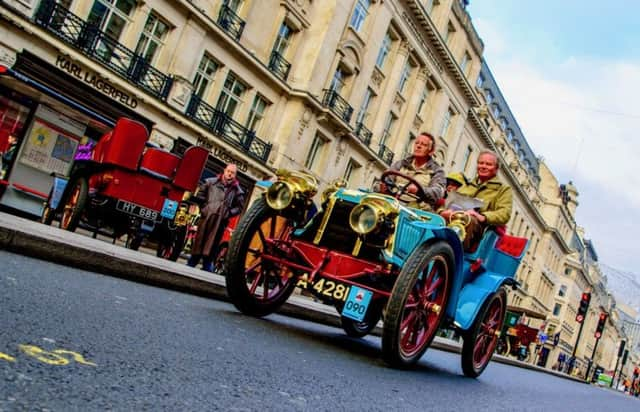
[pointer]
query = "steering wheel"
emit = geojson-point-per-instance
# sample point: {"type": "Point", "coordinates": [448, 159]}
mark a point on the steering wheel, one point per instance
{"type": "Point", "coordinates": [392, 187]}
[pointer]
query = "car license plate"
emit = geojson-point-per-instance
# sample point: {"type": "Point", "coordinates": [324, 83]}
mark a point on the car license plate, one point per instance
{"type": "Point", "coordinates": [325, 287]}
{"type": "Point", "coordinates": [137, 210]}
{"type": "Point", "coordinates": [357, 303]}
{"type": "Point", "coordinates": [169, 209]}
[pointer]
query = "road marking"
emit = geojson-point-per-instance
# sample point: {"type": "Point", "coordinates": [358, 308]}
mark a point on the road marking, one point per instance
{"type": "Point", "coordinates": [4, 356]}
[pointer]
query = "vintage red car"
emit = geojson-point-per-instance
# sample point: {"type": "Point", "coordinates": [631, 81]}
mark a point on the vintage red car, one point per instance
{"type": "Point", "coordinates": [130, 188]}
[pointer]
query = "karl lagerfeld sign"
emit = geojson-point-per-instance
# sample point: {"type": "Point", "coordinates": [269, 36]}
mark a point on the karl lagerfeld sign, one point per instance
{"type": "Point", "coordinates": [95, 81]}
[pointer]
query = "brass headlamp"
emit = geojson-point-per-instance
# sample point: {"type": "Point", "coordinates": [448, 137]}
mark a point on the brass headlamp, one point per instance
{"type": "Point", "coordinates": [372, 211]}
{"type": "Point", "coordinates": [290, 185]}
{"type": "Point", "coordinates": [458, 222]}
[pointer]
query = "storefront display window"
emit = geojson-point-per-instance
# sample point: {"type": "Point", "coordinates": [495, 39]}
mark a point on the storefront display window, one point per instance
{"type": "Point", "coordinates": [13, 117]}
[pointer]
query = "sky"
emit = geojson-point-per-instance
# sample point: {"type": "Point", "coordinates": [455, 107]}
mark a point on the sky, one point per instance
{"type": "Point", "coordinates": [570, 73]}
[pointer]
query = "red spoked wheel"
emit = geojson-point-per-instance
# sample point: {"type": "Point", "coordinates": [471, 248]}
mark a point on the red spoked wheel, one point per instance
{"type": "Point", "coordinates": [73, 204]}
{"type": "Point", "coordinates": [481, 340]}
{"type": "Point", "coordinates": [417, 304]}
{"type": "Point", "coordinates": [259, 286]}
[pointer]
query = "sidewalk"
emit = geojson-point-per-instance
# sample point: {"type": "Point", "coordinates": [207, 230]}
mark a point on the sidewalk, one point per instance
{"type": "Point", "coordinates": [49, 243]}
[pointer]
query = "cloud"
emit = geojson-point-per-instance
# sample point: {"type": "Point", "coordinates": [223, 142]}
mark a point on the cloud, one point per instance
{"type": "Point", "coordinates": [580, 115]}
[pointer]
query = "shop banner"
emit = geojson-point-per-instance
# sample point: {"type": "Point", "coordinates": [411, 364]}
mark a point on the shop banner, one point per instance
{"type": "Point", "coordinates": [49, 149]}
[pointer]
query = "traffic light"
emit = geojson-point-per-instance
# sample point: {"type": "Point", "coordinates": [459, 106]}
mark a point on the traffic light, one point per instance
{"type": "Point", "coordinates": [600, 327]}
{"type": "Point", "coordinates": [584, 306]}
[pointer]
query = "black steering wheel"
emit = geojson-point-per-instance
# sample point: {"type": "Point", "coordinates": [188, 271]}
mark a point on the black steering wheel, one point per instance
{"type": "Point", "coordinates": [390, 178]}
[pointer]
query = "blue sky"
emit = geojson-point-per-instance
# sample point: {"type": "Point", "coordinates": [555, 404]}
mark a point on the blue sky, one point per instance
{"type": "Point", "coordinates": [570, 72]}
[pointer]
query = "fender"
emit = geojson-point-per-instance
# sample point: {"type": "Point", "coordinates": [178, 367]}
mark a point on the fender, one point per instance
{"type": "Point", "coordinates": [473, 295]}
{"type": "Point", "coordinates": [265, 184]}
{"type": "Point", "coordinates": [453, 240]}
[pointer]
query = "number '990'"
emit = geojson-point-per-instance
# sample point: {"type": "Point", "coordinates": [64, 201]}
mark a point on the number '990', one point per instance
{"type": "Point", "coordinates": [355, 307]}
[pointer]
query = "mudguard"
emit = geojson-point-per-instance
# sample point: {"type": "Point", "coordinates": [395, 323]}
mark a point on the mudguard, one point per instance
{"type": "Point", "coordinates": [473, 295]}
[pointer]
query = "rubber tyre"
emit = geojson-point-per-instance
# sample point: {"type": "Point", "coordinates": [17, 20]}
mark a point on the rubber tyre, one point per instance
{"type": "Point", "coordinates": [74, 201]}
{"type": "Point", "coordinates": [411, 318]}
{"type": "Point", "coordinates": [480, 340]}
{"type": "Point", "coordinates": [173, 249]}
{"type": "Point", "coordinates": [356, 329]}
{"type": "Point", "coordinates": [259, 222]}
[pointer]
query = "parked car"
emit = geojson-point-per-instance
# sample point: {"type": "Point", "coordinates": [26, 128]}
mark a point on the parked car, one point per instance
{"type": "Point", "coordinates": [373, 258]}
{"type": "Point", "coordinates": [129, 188]}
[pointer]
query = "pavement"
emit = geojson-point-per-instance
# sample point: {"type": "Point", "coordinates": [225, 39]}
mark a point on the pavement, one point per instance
{"type": "Point", "coordinates": [27, 237]}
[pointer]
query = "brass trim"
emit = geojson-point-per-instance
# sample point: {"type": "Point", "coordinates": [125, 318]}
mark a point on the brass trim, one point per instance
{"type": "Point", "coordinates": [325, 221]}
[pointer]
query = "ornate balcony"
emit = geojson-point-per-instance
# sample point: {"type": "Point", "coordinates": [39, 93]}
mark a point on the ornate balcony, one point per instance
{"type": "Point", "coordinates": [385, 154]}
{"type": "Point", "coordinates": [103, 48]}
{"type": "Point", "coordinates": [230, 22]}
{"type": "Point", "coordinates": [337, 105]}
{"type": "Point", "coordinates": [222, 125]}
{"type": "Point", "coordinates": [278, 65]}
{"type": "Point", "coordinates": [363, 134]}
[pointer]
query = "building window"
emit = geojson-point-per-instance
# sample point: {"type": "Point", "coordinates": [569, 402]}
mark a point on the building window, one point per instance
{"type": "Point", "coordinates": [384, 51]}
{"type": "Point", "coordinates": [464, 63]}
{"type": "Point", "coordinates": [234, 5]}
{"type": "Point", "coordinates": [428, 5]}
{"type": "Point", "coordinates": [446, 123]}
{"type": "Point", "coordinates": [283, 40]}
{"type": "Point", "coordinates": [388, 129]}
{"type": "Point", "coordinates": [503, 123]}
{"type": "Point", "coordinates": [489, 96]}
{"type": "Point", "coordinates": [204, 76]}
{"type": "Point", "coordinates": [152, 37]}
{"type": "Point", "coordinates": [110, 16]}
{"type": "Point", "coordinates": [315, 151]}
{"type": "Point", "coordinates": [448, 36]}
{"type": "Point", "coordinates": [467, 158]}
{"type": "Point", "coordinates": [231, 95]}
{"type": "Point", "coordinates": [256, 113]}
{"type": "Point", "coordinates": [510, 135]}
{"type": "Point", "coordinates": [423, 99]}
{"type": "Point", "coordinates": [405, 76]}
{"type": "Point", "coordinates": [556, 309]}
{"type": "Point", "coordinates": [408, 148]}
{"type": "Point", "coordinates": [480, 81]}
{"type": "Point", "coordinates": [359, 14]}
{"type": "Point", "coordinates": [562, 291]}
{"type": "Point", "coordinates": [351, 171]}
{"type": "Point", "coordinates": [567, 271]}
{"type": "Point", "coordinates": [338, 81]}
{"type": "Point", "coordinates": [363, 113]}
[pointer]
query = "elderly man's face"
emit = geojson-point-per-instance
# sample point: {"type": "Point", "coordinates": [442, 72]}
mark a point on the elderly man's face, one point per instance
{"type": "Point", "coordinates": [423, 146]}
{"type": "Point", "coordinates": [229, 173]}
{"type": "Point", "coordinates": [487, 166]}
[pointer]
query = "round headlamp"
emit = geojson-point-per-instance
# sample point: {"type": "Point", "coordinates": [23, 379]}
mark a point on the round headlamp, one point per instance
{"type": "Point", "coordinates": [279, 195]}
{"type": "Point", "coordinates": [363, 219]}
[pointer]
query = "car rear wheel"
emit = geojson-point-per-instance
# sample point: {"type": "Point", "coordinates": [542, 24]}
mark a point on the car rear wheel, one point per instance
{"type": "Point", "coordinates": [255, 285]}
{"type": "Point", "coordinates": [481, 340]}
{"type": "Point", "coordinates": [172, 248]}
{"type": "Point", "coordinates": [73, 204]}
{"type": "Point", "coordinates": [417, 304]}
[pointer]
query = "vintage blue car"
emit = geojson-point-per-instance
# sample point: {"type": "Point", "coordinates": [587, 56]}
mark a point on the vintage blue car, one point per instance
{"type": "Point", "coordinates": [374, 258]}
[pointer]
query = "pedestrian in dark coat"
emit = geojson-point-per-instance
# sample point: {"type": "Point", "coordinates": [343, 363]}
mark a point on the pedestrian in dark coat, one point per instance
{"type": "Point", "coordinates": [223, 199]}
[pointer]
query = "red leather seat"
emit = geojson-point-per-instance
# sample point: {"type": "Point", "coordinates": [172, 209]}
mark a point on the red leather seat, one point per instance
{"type": "Point", "coordinates": [512, 245]}
{"type": "Point", "coordinates": [123, 145]}
{"type": "Point", "coordinates": [159, 163]}
{"type": "Point", "coordinates": [190, 168]}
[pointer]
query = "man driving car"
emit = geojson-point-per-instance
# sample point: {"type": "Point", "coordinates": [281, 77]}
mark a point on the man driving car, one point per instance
{"type": "Point", "coordinates": [424, 170]}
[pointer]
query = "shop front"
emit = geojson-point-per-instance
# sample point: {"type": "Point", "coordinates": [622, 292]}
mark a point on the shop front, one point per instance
{"type": "Point", "coordinates": [47, 113]}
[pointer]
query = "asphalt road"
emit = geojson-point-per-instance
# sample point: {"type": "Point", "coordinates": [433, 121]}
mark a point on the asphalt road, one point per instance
{"type": "Point", "coordinates": [75, 340]}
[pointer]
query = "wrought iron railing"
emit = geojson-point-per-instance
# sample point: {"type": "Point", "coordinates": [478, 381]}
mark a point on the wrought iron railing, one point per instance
{"type": "Point", "coordinates": [222, 125]}
{"type": "Point", "coordinates": [385, 154]}
{"type": "Point", "coordinates": [363, 134]}
{"type": "Point", "coordinates": [101, 47]}
{"type": "Point", "coordinates": [337, 104]}
{"type": "Point", "coordinates": [230, 21]}
{"type": "Point", "coordinates": [278, 65]}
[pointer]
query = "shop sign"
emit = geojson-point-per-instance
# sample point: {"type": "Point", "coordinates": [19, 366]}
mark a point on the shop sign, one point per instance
{"type": "Point", "coordinates": [227, 157]}
{"type": "Point", "coordinates": [96, 81]}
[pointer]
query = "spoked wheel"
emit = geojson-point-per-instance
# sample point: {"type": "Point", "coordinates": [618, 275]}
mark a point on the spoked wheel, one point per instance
{"type": "Point", "coordinates": [356, 329]}
{"type": "Point", "coordinates": [172, 247]}
{"type": "Point", "coordinates": [481, 340]}
{"type": "Point", "coordinates": [258, 286]}
{"type": "Point", "coordinates": [417, 304]}
{"type": "Point", "coordinates": [73, 204]}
